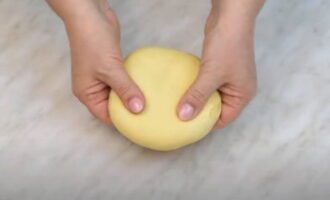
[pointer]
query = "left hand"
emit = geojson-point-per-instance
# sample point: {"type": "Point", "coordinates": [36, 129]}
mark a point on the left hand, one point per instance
{"type": "Point", "coordinates": [227, 66]}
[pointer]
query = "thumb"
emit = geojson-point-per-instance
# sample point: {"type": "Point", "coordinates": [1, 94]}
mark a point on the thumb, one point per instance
{"type": "Point", "coordinates": [196, 96]}
{"type": "Point", "coordinates": [129, 93]}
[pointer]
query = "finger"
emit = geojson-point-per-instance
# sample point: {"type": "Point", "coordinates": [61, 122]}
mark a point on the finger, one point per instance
{"type": "Point", "coordinates": [100, 111]}
{"type": "Point", "coordinates": [196, 96]}
{"type": "Point", "coordinates": [95, 99]}
{"type": "Point", "coordinates": [230, 109]}
{"type": "Point", "coordinates": [129, 93]}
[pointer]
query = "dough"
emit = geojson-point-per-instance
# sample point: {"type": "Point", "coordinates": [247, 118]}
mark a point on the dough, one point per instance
{"type": "Point", "coordinates": [163, 75]}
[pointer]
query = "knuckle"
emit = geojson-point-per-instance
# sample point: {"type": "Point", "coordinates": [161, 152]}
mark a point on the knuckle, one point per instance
{"type": "Point", "coordinates": [252, 91]}
{"type": "Point", "coordinates": [208, 68]}
{"type": "Point", "coordinates": [211, 72]}
{"type": "Point", "coordinates": [247, 90]}
{"type": "Point", "coordinates": [109, 66]}
{"type": "Point", "coordinates": [76, 92]}
{"type": "Point", "coordinates": [196, 96]}
{"type": "Point", "coordinates": [103, 70]}
{"type": "Point", "coordinates": [79, 95]}
{"type": "Point", "coordinates": [247, 98]}
{"type": "Point", "coordinates": [123, 90]}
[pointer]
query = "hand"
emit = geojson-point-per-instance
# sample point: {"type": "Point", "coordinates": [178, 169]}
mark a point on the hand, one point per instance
{"type": "Point", "coordinates": [227, 66]}
{"type": "Point", "coordinates": [97, 63]}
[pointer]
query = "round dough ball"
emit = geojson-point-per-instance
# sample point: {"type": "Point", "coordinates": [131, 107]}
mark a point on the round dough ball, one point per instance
{"type": "Point", "coordinates": [163, 75]}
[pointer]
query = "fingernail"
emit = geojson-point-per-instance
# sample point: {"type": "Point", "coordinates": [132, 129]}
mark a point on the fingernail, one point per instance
{"type": "Point", "coordinates": [186, 111]}
{"type": "Point", "coordinates": [135, 104]}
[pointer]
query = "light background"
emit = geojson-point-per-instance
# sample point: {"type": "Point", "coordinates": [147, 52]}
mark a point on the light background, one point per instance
{"type": "Point", "coordinates": [51, 148]}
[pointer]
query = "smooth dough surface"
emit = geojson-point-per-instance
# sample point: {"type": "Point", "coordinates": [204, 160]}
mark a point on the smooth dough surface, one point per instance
{"type": "Point", "coordinates": [163, 75]}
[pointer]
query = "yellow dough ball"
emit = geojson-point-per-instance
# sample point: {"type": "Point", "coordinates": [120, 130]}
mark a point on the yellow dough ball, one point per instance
{"type": "Point", "coordinates": [163, 76]}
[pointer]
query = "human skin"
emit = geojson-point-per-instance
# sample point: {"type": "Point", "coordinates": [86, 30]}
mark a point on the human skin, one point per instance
{"type": "Point", "coordinates": [97, 62]}
{"type": "Point", "coordinates": [227, 61]}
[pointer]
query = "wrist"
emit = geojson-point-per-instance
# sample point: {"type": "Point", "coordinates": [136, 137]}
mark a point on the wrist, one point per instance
{"type": "Point", "coordinates": [73, 10]}
{"type": "Point", "coordinates": [91, 15]}
{"type": "Point", "coordinates": [234, 17]}
{"type": "Point", "coordinates": [229, 24]}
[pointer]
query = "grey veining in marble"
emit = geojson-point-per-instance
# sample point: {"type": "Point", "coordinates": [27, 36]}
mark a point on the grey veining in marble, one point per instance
{"type": "Point", "coordinates": [52, 148]}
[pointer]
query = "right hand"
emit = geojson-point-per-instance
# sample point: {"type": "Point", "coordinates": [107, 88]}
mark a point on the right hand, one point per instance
{"type": "Point", "coordinates": [97, 63]}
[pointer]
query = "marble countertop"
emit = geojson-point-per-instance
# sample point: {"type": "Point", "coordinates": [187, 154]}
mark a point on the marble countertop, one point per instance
{"type": "Point", "coordinates": [52, 148]}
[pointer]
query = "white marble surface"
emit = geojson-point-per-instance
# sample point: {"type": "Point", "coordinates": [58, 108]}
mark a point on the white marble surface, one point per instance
{"type": "Point", "coordinates": [52, 148]}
